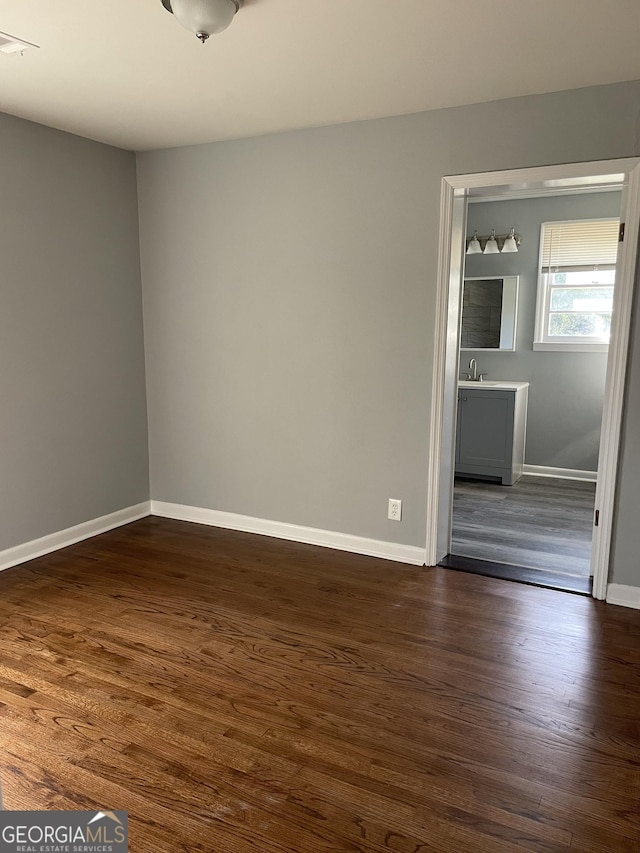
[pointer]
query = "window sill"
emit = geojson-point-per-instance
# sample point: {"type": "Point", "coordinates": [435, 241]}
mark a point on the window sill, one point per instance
{"type": "Point", "coordinates": [540, 346]}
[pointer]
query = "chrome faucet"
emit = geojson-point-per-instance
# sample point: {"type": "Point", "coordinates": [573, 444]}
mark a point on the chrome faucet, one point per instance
{"type": "Point", "coordinates": [473, 375]}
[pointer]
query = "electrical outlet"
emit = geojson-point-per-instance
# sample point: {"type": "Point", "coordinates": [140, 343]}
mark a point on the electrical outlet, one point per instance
{"type": "Point", "coordinates": [395, 509]}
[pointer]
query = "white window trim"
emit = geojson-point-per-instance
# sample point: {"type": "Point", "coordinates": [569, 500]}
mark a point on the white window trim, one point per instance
{"type": "Point", "coordinates": [572, 346]}
{"type": "Point", "coordinates": [543, 296]}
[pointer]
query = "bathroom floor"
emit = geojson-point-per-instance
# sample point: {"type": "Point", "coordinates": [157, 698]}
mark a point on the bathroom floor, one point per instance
{"type": "Point", "coordinates": [540, 523]}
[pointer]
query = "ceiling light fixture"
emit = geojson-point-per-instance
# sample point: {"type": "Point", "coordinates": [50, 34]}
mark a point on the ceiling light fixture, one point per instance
{"type": "Point", "coordinates": [203, 17]}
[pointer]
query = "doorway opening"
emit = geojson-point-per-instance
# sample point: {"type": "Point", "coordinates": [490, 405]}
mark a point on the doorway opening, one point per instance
{"type": "Point", "coordinates": [509, 457]}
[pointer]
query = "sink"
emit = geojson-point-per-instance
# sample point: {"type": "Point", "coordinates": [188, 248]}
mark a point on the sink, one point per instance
{"type": "Point", "coordinates": [495, 384]}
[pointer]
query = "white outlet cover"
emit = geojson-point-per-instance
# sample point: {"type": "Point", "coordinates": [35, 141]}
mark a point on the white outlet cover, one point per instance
{"type": "Point", "coordinates": [395, 509]}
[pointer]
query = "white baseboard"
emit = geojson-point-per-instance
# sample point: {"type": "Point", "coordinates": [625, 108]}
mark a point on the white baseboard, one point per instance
{"type": "Point", "coordinates": [625, 596]}
{"type": "Point", "coordinates": [560, 473]}
{"type": "Point", "coordinates": [63, 538]}
{"type": "Point", "coordinates": [293, 532]}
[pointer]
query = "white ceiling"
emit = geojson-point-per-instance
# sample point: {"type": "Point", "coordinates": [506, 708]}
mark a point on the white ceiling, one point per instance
{"type": "Point", "coordinates": [126, 73]}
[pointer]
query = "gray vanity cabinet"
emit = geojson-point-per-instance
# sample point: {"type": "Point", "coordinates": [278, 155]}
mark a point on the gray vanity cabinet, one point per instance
{"type": "Point", "coordinates": [491, 430]}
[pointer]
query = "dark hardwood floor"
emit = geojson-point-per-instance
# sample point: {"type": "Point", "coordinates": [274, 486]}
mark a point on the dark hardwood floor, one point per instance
{"type": "Point", "coordinates": [236, 693]}
{"type": "Point", "coordinates": [540, 523]}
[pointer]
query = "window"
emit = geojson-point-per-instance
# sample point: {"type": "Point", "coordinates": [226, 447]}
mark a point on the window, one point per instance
{"type": "Point", "coordinates": [575, 285]}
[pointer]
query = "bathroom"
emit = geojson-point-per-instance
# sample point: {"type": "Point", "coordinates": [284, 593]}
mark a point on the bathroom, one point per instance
{"type": "Point", "coordinates": [544, 523]}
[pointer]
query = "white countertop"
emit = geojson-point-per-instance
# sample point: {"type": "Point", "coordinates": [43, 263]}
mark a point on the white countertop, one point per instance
{"type": "Point", "coordinates": [493, 385]}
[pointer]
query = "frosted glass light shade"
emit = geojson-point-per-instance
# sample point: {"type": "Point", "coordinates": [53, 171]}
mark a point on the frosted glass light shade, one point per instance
{"type": "Point", "coordinates": [206, 17]}
{"type": "Point", "coordinates": [510, 244]}
{"type": "Point", "coordinates": [474, 247]}
{"type": "Point", "coordinates": [491, 246]}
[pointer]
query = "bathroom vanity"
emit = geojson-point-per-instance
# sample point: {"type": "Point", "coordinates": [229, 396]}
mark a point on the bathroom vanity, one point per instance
{"type": "Point", "coordinates": [491, 430]}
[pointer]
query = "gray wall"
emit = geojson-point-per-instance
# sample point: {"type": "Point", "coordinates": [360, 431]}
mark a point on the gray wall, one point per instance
{"type": "Point", "coordinates": [567, 388]}
{"type": "Point", "coordinates": [287, 327]}
{"type": "Point", "coordinates": [73, 440]}
{"type": "Point", "coordinates": [289, 287]}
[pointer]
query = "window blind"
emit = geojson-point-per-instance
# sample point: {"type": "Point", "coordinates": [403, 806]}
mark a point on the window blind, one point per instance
{"type": "Point", "coordinates": [580, 244]}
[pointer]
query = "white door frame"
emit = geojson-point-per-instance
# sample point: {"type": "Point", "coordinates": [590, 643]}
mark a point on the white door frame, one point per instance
{"type": "Point", "coordinates": [540, 180]}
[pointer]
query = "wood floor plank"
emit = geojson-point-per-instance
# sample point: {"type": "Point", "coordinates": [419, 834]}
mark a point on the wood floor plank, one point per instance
{"type": "Point", "coordinates": [540, 522]}
{"type": "Point", "coordinates": [238, 693]}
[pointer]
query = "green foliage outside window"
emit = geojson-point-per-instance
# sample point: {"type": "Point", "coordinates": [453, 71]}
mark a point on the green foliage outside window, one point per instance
{"type": "Point", "coordinates": [580, 325]}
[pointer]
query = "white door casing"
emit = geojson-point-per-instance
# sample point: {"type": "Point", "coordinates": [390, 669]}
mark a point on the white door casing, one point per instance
{"type": "Point", "coordinates": [545, 180]}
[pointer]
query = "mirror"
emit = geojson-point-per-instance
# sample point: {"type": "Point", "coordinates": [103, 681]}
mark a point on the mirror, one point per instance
{"type": "Point", "coordinates": [489, 313]}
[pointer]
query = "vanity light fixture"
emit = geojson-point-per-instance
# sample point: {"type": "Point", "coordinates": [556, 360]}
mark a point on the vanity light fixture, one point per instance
{"type": "Point", "coordinates": [203, 17]}
{"type": "Point", "coordinates": [474, 247]}
{"type": "Point", "coordinates": [493, 244]}
{"type": "Point", "coordinates": [510, 244]}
